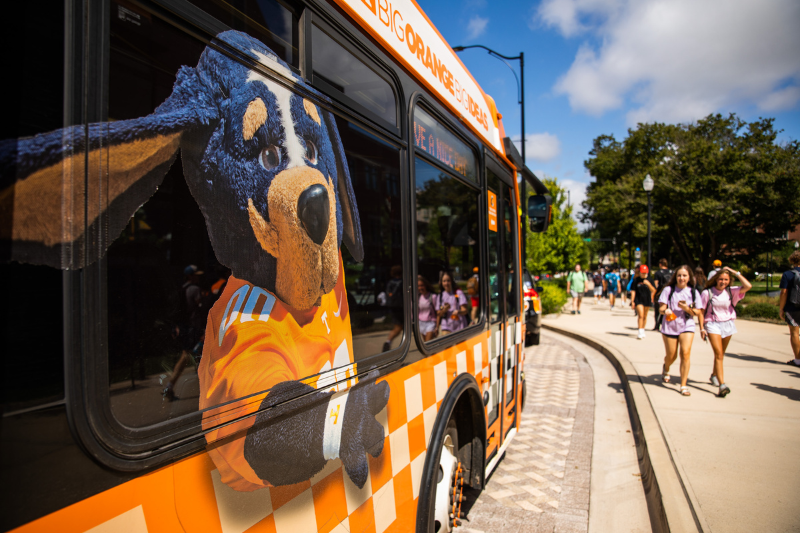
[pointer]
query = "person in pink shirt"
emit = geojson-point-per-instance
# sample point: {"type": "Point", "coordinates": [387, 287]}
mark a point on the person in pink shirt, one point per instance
{"type": "Point", "coordinates": [719, 304]}
{"type": "Point", "coordinates": [678, 303]}
{"type": "Point", "coordinates": [428, 320]}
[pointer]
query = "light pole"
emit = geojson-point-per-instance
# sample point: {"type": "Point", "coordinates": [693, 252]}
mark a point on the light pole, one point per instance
{"type": "Point", "coordinates": [648, 187]}
{"type": "Point", "coordinates": [521, 102]}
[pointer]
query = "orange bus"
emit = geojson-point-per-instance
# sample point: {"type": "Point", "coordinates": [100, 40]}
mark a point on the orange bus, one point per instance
{"type": "Point", "coordinates": [262, 263]}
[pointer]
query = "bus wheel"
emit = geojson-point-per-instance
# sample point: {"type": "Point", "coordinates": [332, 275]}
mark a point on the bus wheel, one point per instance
{"type": "Point", "coordinates": [449, 484]}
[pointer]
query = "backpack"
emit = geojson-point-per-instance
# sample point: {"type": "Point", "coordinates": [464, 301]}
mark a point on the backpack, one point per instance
{"type": "Point", "coordinates": [794, 290]}
{"type": "Point", "coordinates": [472, 286]}
{"type": "Point", "coordinates": [394, 293]}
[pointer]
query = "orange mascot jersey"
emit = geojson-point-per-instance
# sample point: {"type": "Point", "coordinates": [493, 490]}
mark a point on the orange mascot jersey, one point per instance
{"type": "Point", "coordinates": [253, 342]}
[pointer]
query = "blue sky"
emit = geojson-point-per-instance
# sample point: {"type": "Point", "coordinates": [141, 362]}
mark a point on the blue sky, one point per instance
{"type": "Point", "coordinates": [601, 66]}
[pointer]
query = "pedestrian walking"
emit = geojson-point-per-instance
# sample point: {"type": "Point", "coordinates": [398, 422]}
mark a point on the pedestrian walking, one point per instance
{"type": "Point", "coordinates": [576, 286]}
{"type": "Point", "coordinates": [643, 291]}
{"type": "Point", "coordinates": [428, 318]}
{"type": "Point", "coordinates": [700, 280]}
{"type": "Point", "coordinates": [677, 304]}
{"type": "Point", "coordinates": [790, 305]}
{"type": "Point", "coordinates": [717, 267]}
{"type": "Point", "coordinates": [598, 285]}
{"type": "Point", "coordinates": [719, 301]}
{"type": "Point", "coordinates": [612, 285]}
{"type": "Point", "coordinates": [624, 280]}
{"type": "Point", "coordinates": [660, 280]}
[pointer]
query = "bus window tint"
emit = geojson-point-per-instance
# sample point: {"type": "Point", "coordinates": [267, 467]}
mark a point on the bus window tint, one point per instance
{"type": "Point", "coordinates": [447, 244]}
{"type": "Point", "coordinates": [510, 238]}
{"type": "Point", "coordinates": [32, 312]}
{"type": "Point", "coordinates": [347, 74]}
{"type": "Point", "coordinates": [269, 21]}
{"type": "Point", "coordinates": [375, 285]}
{"type": "Point", "coordinates": [495, 255]}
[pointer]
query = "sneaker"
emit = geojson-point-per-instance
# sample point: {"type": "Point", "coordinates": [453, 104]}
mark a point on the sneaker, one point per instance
{"type": "Point", "coordinates": [724, 390]}
{"type": "Point", "coordinates": [572, 312]}
{"type": "Point", "coordinates": [387, 346]}
{"type": "Point", "coordinates": [640, 335]}
{"type": "Point", "coordinates": [579, 312]}
{"type": "Point", "coordinates": [714, 380]}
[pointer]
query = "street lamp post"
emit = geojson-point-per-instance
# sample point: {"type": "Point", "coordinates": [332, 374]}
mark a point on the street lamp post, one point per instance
{"type": "Point", "coordinates": [648, 187]}
{"type": "Point", "coordinates": [521, 102]}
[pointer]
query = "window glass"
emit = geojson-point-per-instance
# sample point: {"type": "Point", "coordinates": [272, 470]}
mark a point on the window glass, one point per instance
{"type": "Point", "coordinates": [510, 221]}
{"type": "Point", "coordinates": [227, 281]}
{"type": "Point", "coordinates": [347, 74]}
{"type": "Point", "coordinates": [447, 248]}
{"type": "Point", "coordinates": [32, 310]}
{"type": "Point", "coordinates": [495, 273]}
{"type": "Point", "coordinates": [375, 285]}
{"type": "Point", "coordinates": [269, 21]}
{"type": "Point", "coordinates": [437, 141]}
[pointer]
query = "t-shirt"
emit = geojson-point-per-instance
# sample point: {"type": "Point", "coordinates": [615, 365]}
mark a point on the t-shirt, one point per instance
{"type": "Point", "coordinates": [456, 301]}
{"type": "Point", "coordinates": [255, 341]}
{"type": "Point", "coordinates": [721, 308]}
{"type": "Point", "coordinates": [786, 283]}
{"type": "Point", "coordinates": [612, 278]}
{"type": "Point", "coordinates": [427, 308]}
{"type": "Point", "coordinates": [577, 281]}
{"type": "Point", "coordinates": [640, 289]}
{"type": "Point", "coordinates": [662, 277]}
{"type": "Point", "coordinates": [713, 272]}
{"type": "Point", "coordinates": [683, 323]}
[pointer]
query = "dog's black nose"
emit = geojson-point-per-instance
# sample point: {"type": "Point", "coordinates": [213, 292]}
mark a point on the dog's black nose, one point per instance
{"type": "Point", "coordinates": [313, 210]}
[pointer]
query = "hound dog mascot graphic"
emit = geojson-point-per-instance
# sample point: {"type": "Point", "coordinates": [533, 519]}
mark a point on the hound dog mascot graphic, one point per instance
{"type": "Point", "coordinates": [266, 166]}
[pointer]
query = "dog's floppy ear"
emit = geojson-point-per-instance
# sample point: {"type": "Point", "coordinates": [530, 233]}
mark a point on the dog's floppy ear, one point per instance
{"type": "Point", "coordinates": [63, 189]}
{"type": "Point", "coordinates": [351, 225]}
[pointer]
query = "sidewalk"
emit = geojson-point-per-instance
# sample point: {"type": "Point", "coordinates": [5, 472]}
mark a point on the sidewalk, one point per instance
{"type": "Point", "coordinates": [738, 457]}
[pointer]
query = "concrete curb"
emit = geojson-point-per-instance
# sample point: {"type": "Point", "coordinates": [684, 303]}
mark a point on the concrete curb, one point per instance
{"type": "Point", "coordinates": [669, 503]}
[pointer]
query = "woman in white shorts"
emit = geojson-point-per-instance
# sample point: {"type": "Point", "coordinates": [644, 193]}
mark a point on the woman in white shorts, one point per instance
{"type": "Point", "coordinates": [427, 309]}
{"type": "Point", "coordinates": [719, 303]}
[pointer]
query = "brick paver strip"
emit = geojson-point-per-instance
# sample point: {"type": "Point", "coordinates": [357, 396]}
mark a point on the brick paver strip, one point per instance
{"type": "Point", "coordinates": [542, 483]}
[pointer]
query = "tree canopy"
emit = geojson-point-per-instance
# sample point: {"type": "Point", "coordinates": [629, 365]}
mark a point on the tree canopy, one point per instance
{"type": "Point", "coordinates": [561, 246]}
{"type": "Point", "coordinates": [722, 187]}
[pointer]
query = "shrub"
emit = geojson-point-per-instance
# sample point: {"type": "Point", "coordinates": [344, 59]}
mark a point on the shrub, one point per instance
{"type": "Point", "coordinates": [760, 310]}
{"type": "Point", "coordinates": [553, 298]}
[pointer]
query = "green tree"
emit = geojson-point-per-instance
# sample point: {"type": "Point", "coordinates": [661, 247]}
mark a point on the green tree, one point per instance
{"type": "Point", "coordinates": [561, 246]}
{"type": "Point", "coordinates": [722, 187]}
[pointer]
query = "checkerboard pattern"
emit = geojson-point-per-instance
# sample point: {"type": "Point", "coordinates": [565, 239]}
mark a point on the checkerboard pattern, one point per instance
{"type": "Point", "coordinates": [330, 502]}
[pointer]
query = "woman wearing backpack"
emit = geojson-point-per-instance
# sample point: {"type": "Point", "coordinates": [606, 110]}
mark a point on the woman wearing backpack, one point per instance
{"type": "Point", "coordinates": [678, 303]}
{"type": "Point", "coordinates": [719, 305]}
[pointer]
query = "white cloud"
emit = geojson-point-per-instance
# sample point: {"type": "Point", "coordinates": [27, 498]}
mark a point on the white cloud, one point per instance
{"type": "Point", "coordinates": [679, 60]}
{"type": "Point", "coordinates": [476, 26]}
{"type": "Point", "coordinates": [540, 147]}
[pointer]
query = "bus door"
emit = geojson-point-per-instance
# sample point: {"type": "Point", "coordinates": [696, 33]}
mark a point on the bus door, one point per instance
{"type": "Point", "coordinates": [502, 308]}
{"type": "Point", "coordinates": [512, 335]}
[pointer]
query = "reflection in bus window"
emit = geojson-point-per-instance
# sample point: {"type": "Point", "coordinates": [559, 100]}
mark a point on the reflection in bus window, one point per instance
{"type": "Point", "coordinates": [374, 286]}
{"type": "Point", "coordinates": [447, 242]}
{"type": "Point", "coordinates": [347, 74]}
{"type": "Point", "coordinates": [495, 273]}
{"type": "Point", "coordinates": [509, 240]}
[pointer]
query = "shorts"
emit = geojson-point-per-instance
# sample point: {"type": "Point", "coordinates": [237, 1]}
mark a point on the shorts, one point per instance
{"type": "Point", "coordinates": [576, 294]}
{"type": "Point", "coordinates": [723, 329]}
{"type": "Point", "coordinates": [792, 318]}
{"type": "Point", "coordinates": [598, 291]}
{"type": "Point", "coordinates": [641, 301]}
{"type": "Point", "coordinates": [426, 326]}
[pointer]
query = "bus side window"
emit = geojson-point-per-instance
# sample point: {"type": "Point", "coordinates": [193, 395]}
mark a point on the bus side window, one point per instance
{"type": "Point", "coordinates": [375, 286]}
{"type": "Point", "coordinates": [447, 248]}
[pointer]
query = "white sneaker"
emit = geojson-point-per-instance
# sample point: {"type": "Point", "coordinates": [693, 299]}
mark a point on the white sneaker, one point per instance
{"type": "Point", "coordinates": [640, 335]}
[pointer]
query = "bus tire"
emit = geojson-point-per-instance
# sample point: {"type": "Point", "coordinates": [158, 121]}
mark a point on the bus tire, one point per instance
{"type": "Point", "coordinates": [444, 479]}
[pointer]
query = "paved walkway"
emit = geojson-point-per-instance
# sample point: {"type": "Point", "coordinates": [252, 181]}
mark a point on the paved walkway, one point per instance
{"type": "Point", "coordinates": [737, 457]}
{"type": "Point", "coordinates": [543, 482]}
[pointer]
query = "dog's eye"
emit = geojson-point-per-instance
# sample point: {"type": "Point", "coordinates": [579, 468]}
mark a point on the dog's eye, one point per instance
{"type": "Point", "coordinates": [311, 152]}
{"type": "Point", "coordinates": [270, 157]}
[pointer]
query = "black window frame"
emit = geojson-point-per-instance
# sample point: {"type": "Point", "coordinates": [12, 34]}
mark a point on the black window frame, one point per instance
{"type": "Point", "coordinates": [102, 436]}
{"type": "Point", "coordinates": [419, 99]}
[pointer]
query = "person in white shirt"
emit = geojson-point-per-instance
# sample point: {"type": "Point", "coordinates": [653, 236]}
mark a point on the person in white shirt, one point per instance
{"type": "Point", "coordinates": [717, 267]}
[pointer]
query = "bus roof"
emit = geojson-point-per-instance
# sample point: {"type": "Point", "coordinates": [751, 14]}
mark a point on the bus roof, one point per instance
{"type": "Point", "coordinates": [410, 36]}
